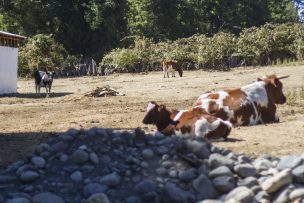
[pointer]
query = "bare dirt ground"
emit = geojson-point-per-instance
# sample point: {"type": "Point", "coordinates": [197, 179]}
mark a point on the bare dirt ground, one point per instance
{"type": "Point", "coordinates": [27, 119]}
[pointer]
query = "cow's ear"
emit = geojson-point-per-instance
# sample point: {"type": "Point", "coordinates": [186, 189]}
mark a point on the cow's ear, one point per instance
{"type": "Point", "coordinates": [259, 79]}
{"type": "Point", "coordinates": [274, 81]}
{"type": "Point", "coordinates": [161, 107]}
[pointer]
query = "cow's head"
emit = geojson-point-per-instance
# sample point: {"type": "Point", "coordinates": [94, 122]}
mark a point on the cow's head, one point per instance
{"type": "Point", "coordinates": [158, 115]}
{"type": "Point", "coordinates": [180, 72]}
{"type": "Point", "coordinates": [274, 88]}
{"type": "Point", "coordinates": [48, 79]}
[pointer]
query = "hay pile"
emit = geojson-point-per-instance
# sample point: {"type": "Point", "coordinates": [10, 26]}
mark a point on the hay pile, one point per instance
{"type": "Point", "coordinates": [105, 91]}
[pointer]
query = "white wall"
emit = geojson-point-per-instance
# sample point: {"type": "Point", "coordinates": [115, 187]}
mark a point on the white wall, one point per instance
{"type": "Point", "coordinates": [8, 70]}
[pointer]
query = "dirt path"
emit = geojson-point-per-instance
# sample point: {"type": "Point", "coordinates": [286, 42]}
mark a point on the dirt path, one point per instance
{"type": "Point", "coordinates": [25, 119]}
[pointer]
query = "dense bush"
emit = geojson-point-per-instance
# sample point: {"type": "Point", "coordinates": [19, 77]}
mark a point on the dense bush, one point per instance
{"type": "Point", "coordinates": [266, 45]}
{"type": "Point", "coordinates": [270, 44]}
{"type": "Point", "coordinates": [41, 52]}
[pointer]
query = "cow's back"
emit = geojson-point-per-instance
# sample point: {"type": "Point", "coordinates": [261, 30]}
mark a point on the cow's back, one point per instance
{"type": "Point", "coordinates": [229, 104]}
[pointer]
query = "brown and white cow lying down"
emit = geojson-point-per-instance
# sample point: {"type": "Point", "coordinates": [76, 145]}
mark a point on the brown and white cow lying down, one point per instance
{"type": "Point", "coordinates": [194, 121]}
{"type": "Point", "coordinates": [171, 66]}
{"type": "Point", "coordinates": [249, 105]}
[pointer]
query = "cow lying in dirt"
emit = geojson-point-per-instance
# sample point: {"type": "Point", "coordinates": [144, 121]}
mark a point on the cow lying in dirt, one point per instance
{"type": "Point", "coordinates": [43, 79]}
{"type": "Point", "coordinates": [172, 66]}
{"type": "Point", "coordinates": [194, 121]}
{"type": "Point", "coordinates": [249, 105]}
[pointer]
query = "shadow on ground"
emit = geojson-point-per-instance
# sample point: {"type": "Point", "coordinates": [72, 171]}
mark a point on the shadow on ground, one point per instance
{"type": "Point", "coordinates": [16, 146]}
{"type": "Point", "coordinates": [34, 95]}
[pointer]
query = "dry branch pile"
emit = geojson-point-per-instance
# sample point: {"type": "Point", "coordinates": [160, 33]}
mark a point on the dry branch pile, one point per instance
{"type": "Point", "coordinates": [105, 91]}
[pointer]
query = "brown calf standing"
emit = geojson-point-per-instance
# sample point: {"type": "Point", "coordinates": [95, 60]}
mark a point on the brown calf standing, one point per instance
{"type": "Point", "coordinates": [171, 66]}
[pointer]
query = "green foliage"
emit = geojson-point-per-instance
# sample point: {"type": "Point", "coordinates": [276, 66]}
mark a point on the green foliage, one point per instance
{"type": "Point", "coordinates": [213, 52]}
{"type": "Point", "coordinates": [94, 27]}
{"type": "Point", "coordinates": [41, 52]}
{"type": "Point", "coordinates": [268, 44]}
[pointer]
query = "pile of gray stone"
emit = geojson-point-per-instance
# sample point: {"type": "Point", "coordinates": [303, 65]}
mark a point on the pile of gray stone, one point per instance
{"type": "Point", "coordinates": [102, 166]}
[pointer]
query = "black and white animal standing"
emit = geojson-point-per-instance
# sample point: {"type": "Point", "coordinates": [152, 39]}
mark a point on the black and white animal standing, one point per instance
{"type": "Point", "coordinates": [44, 79]}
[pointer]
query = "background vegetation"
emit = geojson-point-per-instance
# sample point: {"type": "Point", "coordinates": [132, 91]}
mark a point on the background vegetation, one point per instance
{"type": "Point", "coordinates": [135, 34]}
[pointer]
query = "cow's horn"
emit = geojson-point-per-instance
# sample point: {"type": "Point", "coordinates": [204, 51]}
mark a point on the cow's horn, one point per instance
{"type": "Point", "coordinates": [283, 77]}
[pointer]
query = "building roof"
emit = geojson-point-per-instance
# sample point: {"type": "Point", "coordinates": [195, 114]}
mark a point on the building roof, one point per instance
{"type": "Point", "coordinates": [10, 35]}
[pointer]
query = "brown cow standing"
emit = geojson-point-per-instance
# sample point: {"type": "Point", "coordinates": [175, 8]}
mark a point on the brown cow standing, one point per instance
{"type": "Point", "coordinates": [249, 105]}
{"type": "Point", "coordinates": [194, 121]}
{"type": "Point", "coordinates": [171, 66]}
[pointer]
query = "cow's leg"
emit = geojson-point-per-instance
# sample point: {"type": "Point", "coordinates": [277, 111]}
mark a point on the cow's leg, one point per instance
{"type": "Point", "coordinates": [46, 89]}
{"type": "Point", "coordinates": [168, 74]}
{"type": "Point", "coordinates": [39, 90]}
{"type": "Point", "coordinates": [36, 89]}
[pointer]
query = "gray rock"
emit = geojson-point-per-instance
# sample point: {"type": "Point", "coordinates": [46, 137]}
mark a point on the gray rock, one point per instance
{"type": "Point", "coordinates": [220, 171]}
{"type": "Point", "coordinates": [245, 170]}
{"type": "Point", "coordinates": [167, 164]}
{"type": "Point", "coordinates": [12, 168]}
{"type": "Point", "coordinates": [172, 174]}
{"type": "Point", "coordinates": [187, 176]}
{"type": "Point", "coordinates": [282, 196]}
{"type": "Point", "coordinates": [174, 194]}
{"type": "Point", "coordinates": [13, 195]}
{"type": "Point", "coordinates": [144, 164]}
{"type": "Point", "coordinates": [147, 154]}
{"type": "Point", "coordinates": [204, 188]}
{"type": "Point", "coordinates": [93, 188]}
{"type": "Point", "coordinates": [248, 182]}
{"type": "Point", "coordinates": [38, 161]}
{"type": "Point", "coordinates": [161, 171]}
{"type": "Point", "coordinates": [66, 137]}
{"type": "Point", "coordinates": [262, 195]}
{"type": "Point", "coordinates": [217, 160]}
{"type": "Point", "coordinates": [224, 184]}
{"type": "Point", "coordinates": [291, 161]}
{"type": "Point", "coordinates": [18, 200]}
{"type": "Point", "coordinates": [59, 146]}
{"type": "Point", "coordinates": [47, 197]}
{"type": "Point", "coordinates": [79, 157]}
{"type": "Point", "coordinates": [72, 132]}
{"type": "Point", "coordinates": [98, 198]}
{"type": "Point", "coordinates": [7, 179]}
{"type": "Point", "coordinates": [23, 168]}
{"type": "Point", "coordinates": [199, 148]}
{"type": "Point", "coordinates": [162, 150]}
{"type": "Point", "coordinates": [83, 147]}
{"type": "Point", "coordinates": [64, 157]}
{"type": "Point", "coordinates": [110, 179]}
{"type": "Point", "coordinates": [76, 176]}
{"type": "Point", "coordinates": [276, 182]}
{"type": "Point", "coordinates": [204, 168]}
{"type": "Point", "coordinates": [133, 199]}
{"type": "Point", "coordinates": [29, 176]}
{"type": "Point", "coordinates": [262, 164]}
{"type": "Point", "coordinates": [240, 194]}
{"type": "Point", "coordinates": [42, 147]}
{"type": "Point", "coordinates": [243, 159]}
{"type": "Point", "coordinates": [298, 174]}
{"type": "Point", "coordinates": [94, 158]}
{"type": "Point", "coordinates": [297, 194]}
{"type": "Point", "coordinates": [145, 186]}
{"type": "Point", "coordinates": [210, 201]}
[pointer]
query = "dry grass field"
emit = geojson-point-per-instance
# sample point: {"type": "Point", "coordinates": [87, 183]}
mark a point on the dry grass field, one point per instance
{"type": "Point", "coordinates": [27, 119]}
